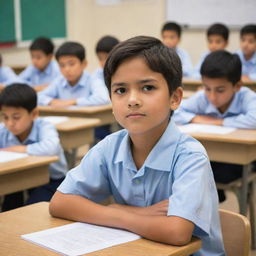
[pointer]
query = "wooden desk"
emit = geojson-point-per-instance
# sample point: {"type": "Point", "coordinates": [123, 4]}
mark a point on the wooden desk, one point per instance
{"type": "Point", "coordinates": [36, 218]}
{"type": "Point", "coordinates": [24, 173]}
{"type": "Point", "coordinates": [104, 112]}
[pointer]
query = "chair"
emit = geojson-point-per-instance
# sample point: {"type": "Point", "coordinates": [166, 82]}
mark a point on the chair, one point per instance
{"type": "Point", "coordinates": [236, 232]}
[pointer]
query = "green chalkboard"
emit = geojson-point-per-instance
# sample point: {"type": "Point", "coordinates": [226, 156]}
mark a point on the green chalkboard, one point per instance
{"type": "Point", "coordinates": [7, 22]}
{"type": "Point", "coordinates": [43, 18]}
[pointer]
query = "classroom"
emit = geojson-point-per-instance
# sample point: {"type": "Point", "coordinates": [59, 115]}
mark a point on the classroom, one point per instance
{"type": "Point", "coordinates": [129, 125]}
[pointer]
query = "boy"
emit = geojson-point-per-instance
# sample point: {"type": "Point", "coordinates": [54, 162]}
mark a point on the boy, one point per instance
{"type": "Point", "coordinates": [217, 39]}
{"type": "Point", "coordinates": [7, 76]}
{"type": "Point", "coordinates": [247, 53]}
{"type": "Point", "coordinates": [74, 86]}
{"type": "Point", "coordinates": [43, 69]}
{"type": "Point", "coordinates": [25, 133]}
{"type": "Point", "coordinates": [161, 179]}
{"type": "Point", "coordinates": [223, 102]}
{"type": "Point", "coordinates": [171, 35]}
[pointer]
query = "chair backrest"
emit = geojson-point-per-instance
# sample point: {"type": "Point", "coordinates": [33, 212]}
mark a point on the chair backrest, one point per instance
{"type": "Point", "coordinates": [236, 232]}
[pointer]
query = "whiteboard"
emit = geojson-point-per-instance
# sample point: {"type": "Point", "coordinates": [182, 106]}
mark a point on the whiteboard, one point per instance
{"type": "Point", "coordinates": [202, 13]}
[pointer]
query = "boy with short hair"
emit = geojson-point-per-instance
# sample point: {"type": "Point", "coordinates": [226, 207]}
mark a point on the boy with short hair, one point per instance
{"type": "Point", "coordinates": [217, 39]}
{"type": "Point", "coordinates": [75, 86]}
{"type": "Point", "coordinates": [43, 69]}
{"type": "Point", "coordinates": [171, 36]}
{"type": "Point", "coordinates": [160, 179]}
{"type": "Point", "coordinates": [223, 102]}
{"type": "Point", "coordinates": [247, 53]}
{"type": "Point", "coordinates": [23, 132]}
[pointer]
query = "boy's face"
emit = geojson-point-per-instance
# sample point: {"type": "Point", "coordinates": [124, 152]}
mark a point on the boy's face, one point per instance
{"type": "Point", "coordinates": [220, 92]}
{"type": "Point", "coordinates": [39, 59]}
{"type": "Point", "coordinates": [140, 98]}
{"type": "Point", "coordinates": [102, 57]}
{"type": "Point", "coordinates": [71, 68]}
{"type": "Point", "coordinates": [18, 120]}
{"type": "Point", "coordinates": [248, 44]}
{"type": "Point", "coordinates": [170, 38]}
{"type": "Point", "coordinates": [216, 42]}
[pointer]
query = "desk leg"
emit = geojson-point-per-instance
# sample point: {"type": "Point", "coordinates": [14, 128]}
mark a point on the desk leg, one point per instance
{"type": "Point", "coordinates": [244, 189]}
{"type": "Point", "coordinates": [71, 157]}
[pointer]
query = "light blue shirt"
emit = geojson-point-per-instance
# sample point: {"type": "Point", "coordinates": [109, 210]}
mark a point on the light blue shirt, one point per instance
{"type": "Point", "coordinates": [33, 76]}
{"type": "Point", "coordinates": [98, 74]}
{"type": "Point", "coordinates": [241, 112]}
{"type": "Point", "coordinates": [87, 92]}
{"type": "Point", "coordinates": [248, 66]}
{"type": "Point", "coordinates": [177, 168]}
{"type": "Point", "coordinates": [186, 62]}
{"type": "Point", "coordinates": [196, 72]}
{"type": "Point", "coordinates": [43, 140]}
{"type": "Point", "coordinates": [7, 76]}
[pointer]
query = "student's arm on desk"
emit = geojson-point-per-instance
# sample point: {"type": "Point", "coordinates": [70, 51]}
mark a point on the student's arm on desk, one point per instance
{"type": "Point", "coordinates": [201, 119]}
{"type": "Point", "coordinates": [40, 87]}
{"type": "Point", "coordinates": [63, 103]}
{"type": "Point", "coordinates": [16, 148]}
{"type": "Point", "coordinates": [167, 229]}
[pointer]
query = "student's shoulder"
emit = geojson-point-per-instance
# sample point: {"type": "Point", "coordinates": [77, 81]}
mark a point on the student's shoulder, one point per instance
{"type": "Point", "coordinates": [3, 131]}
{"type": "Point", "coordinates": [40, 123]}
{"type": "Point", "coordinates": [181, 52]}
{"type": "Point", "coordinates": [246, 93]}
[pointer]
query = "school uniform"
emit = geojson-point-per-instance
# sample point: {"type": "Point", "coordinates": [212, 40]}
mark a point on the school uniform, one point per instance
{"type": "Point", "coordinates": [185, 61]}
{"type": "Point", "coordinates": [177, 168]}
{"type": "Point", "coordinates": [248, 66]}
{"type": "Point", "coordinates": [7, 76]}
{"type": "Point", "coordinates": [196, 72]}
{"type": "Point", "coordinates": [33, 76]}
{"type": "Point", "coordinates": [87, 92]}
{"type": "Point", "coordinates": [43, 140]}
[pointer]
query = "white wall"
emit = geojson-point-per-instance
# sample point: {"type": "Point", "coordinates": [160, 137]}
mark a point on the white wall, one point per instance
{"type": "Point", "coordinates": [87, 22]}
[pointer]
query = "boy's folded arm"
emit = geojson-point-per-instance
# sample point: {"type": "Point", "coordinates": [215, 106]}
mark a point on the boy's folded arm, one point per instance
{"type": "Point", "coordinates": [204, 119]}
{"type": "Point", "coordinates": [167, 229]}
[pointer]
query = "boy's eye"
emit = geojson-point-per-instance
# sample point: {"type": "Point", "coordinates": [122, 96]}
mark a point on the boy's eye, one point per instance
{"type": "Point", "coordinates": [148, 88]}
{"type": "Point", "coordinates": [120, 90]}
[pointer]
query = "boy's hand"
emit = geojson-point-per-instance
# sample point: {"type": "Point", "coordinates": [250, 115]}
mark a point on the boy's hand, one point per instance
{"type": "Point", "coordinates": [245, 78]}
{"type": "Point", "coordinates": [17, 148]}
{"type": "Point", "coordinates": [41, 87]}
{"type": "Point", "coordinates": [62, 103]}
{"type": "Point", "coordinates": [207, 120]}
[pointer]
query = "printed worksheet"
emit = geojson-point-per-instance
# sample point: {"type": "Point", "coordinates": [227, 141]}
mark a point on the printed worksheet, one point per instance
{"type": "Point", "coordinates": [6, 156]}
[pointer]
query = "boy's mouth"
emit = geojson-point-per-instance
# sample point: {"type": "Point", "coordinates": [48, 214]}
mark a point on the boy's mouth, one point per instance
{"type": "Point", "coordinates": [135, 115]}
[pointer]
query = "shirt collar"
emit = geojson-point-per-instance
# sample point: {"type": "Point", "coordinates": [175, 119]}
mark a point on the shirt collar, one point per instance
{"type": "Point", "coordinates": [82, 82]}
{"type": "Point", "coordinates": [47, 70]}
{"type": "Point", "coordinates": [160, 157]}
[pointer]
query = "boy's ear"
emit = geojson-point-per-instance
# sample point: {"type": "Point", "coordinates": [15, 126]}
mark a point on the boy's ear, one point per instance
{"type": "Point", "coordinates": [84, 63]}
{"type": "Point", "coordinates": [176, 98]}
{"type": "Point", "coordinates": [238, 85]}
{"type": "Point", "coordinates": [34, 113]}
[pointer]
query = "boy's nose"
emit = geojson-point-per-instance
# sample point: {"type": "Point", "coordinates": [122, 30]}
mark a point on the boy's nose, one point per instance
{"type": "Point", "coordinates": [133, 100]}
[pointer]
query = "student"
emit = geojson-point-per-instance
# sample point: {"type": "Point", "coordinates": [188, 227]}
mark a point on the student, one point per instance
{"type": "Point", "coordinates": [74, 86]}
{"type": "Point", "coordinates": [217, 39]}
{"type": "Point", "coordinates": [161, 179]}
{"type": "Point", "coordinates": [247, 53]}
{"type": "Point", "coordinates": [103, 48]}
{"type": "Point", "coordinates": [23, 132]}
{"type": "Point", "coordinates": [171, 35]}
{"type": "Point", "coordinates": [43, 69]}
{"type": "Point", "coordinates": [223, 102]}
{"type": "Point", "coordinates": [7, 76]}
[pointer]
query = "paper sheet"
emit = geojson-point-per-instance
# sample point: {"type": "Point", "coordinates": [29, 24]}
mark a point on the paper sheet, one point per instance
{"type": "Point", "coordinates": [204, 128]}
{"type": "Point", "coordinates": [55, 119]}
{"type": "Point", "coordinates": [79, 238]}
{"type": "Point", "coordinates": [6, 156]}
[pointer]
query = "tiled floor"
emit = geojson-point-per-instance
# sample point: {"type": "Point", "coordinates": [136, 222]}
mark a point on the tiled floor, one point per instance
{"type": "Point", "coordinates": [232, 205]}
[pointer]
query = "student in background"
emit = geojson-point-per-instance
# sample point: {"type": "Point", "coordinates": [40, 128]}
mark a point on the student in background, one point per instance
{"type": "Point", "coordinates": [217, 39]}
{"type": "Point", "coordinates": [222, 102]}
{"type": "Point", "coordinates": [75, 86]}
{"type": "Point", "coordinates": [171, 36]}
{"type": "Point", "coordinates": [7, 75]}
{"type": "Point", "coordinates": [43, 69]}
{"type": "Point", "coordinates": [161, 179]}
{"type": "Point", "coordinates": [247, 53]}
{"type": "Point", "coordinates": [23, 132]}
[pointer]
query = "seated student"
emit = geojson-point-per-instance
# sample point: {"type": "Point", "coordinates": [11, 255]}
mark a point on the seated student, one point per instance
{"type": "Point", "coordinates": [103, 48]}
{"type": "Point", "coordinates": [223, 102]}
{"type": "Point", "coordinates": [161, 179]}
{"type": "Point", "coordinates": [247, 53]}
{"type": "Point", "coordinates": [217, 38]}
{"type": "Point", "coordinates": [25, 133]}
{"type": "Point", "coordinates": [171, 34]}
{"type": "Point", "coordinates": [7, 75]}
{"type": "Point", "coordinates": [74, 86]}
{"type": "Point", "coordinates": [44, 69]}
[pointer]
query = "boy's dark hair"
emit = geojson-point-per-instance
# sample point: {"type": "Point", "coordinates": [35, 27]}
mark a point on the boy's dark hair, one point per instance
{"type": "Point", "coordinates": [106, 44]}
{"type": "Point", "coordinates": [43, 44]}
{"type": "Point", "coordinates": [222, 64]}
{"type": "Point", "coordinates": [18, 95]}
{"type": "Point", "coordinates": [248, 29]}
{"type": "Point", "coordinates": [172, 26]}
{"type": "Point", "coordinates": [72, 49]}
{"type": "Point", "coordinates": [157, 56]}
{"type": "Point", "coordinates": [218, 29]}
